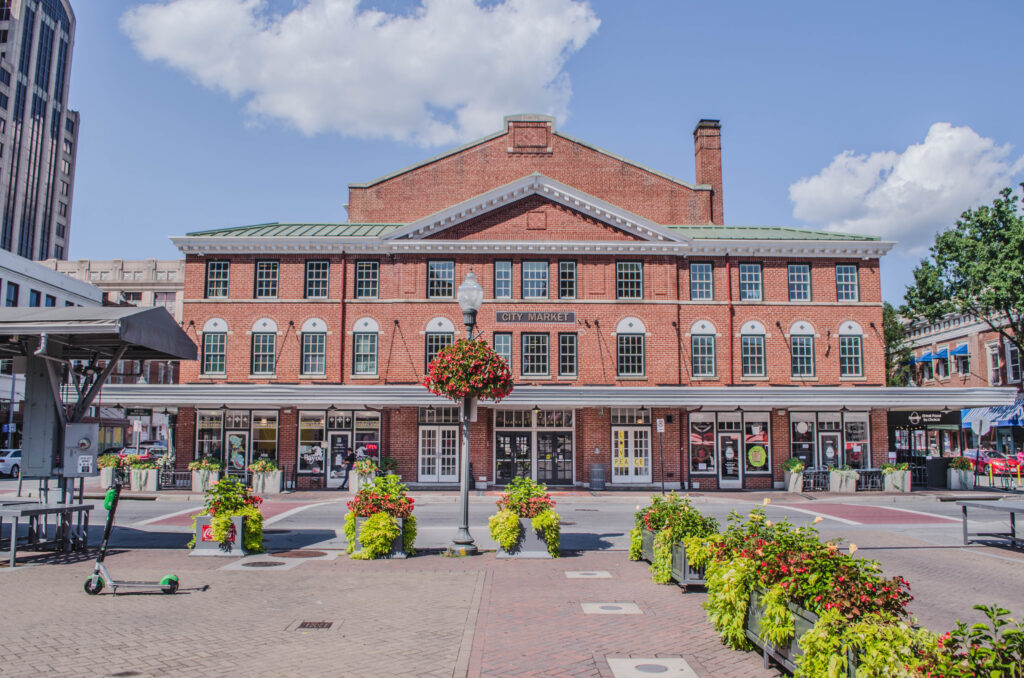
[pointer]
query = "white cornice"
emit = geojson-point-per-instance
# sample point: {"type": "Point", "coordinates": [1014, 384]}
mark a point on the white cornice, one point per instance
{"type": "Point", "coordinates": [861, 249]}
{"type": "Point", "coordinates": [537, 184]}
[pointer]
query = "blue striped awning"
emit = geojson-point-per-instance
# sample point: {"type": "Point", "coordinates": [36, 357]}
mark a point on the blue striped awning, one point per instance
{"type": "Point", "coordinates": [960, 350]}
{"type": "Point", "coordinates": [942, 355]}
{"type": "Point", "coordinates": [925, 358]}
{"type": "Point", "coordinates": [986, 417]}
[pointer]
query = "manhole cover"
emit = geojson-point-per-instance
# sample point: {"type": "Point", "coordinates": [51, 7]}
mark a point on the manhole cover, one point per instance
{"type": "Point", "coordinates": [315, 625]}
{"type": "Point", "coordinates": [262, 563]}
{"type": "Point", "coordinates": [651, 668]}
{"type": "Point", "coordinates": [299, 554]}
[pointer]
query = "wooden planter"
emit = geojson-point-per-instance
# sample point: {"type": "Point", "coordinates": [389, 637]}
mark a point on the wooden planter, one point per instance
{"type": "Point", "coordinates": [803, 621]}
{"type": "Point", "coordinates": [397, 546]}
{"type": "Point", "coordinates": [270, 482]}
{"type": "Point", "coordinates": [960, 479]}
{"type": "Point", "coordinates": [204, 480]}
{"type": "Point", "coordinates": [144, 479]}
{"type": "Point", "coordinates": [682, 571]}
{"type": "Point", "coordinates": [647, 544]}
{"type": "Point", "coordinates": [206, 545]}
{"type": "Point", "coordinates": [896, 481]}
{"type": "Point", "coordinates": [842, 481]}
{"type": "Point", "coordinates": [794, 481]}
{"type": "Point", "coordinates": [531, 543]}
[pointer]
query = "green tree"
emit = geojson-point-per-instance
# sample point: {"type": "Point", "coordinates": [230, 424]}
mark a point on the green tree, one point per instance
{"type": "Point", "coordinates": [976, 268]}
{"type": "Point", "coordinates": [897, 349]}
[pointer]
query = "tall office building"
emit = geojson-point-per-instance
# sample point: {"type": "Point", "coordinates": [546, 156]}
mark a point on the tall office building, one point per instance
{"type": "Point", "coordinates": [38, 134]}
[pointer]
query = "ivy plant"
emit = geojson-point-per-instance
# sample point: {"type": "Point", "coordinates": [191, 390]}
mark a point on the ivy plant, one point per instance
{"type": "Point", "coordinates": [548, 524]}
{"type": "Point", "coordinates": [504, 527]}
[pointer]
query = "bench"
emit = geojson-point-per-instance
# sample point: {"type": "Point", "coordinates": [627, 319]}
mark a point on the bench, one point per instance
{"type": "Point", "coordinates": [65, 535]}
{"type": "Point", "coordinates": [1010, 507]}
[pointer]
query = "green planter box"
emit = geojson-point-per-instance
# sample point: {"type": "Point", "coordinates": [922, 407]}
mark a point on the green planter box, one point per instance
{"type": "Point", "coordinates": [682, 571]}
{"type": "Point", "coordinates": [803, 621]}
{"type": "Point", "coordinates": [531, 543]}
{"type": "Point", "coordinates": [397, 546]}
{"type": "Point", "coordinates": [647, 544]}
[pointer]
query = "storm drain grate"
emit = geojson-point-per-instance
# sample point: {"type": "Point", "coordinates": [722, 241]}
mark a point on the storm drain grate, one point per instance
{"type": "Point", "coordinates": [315, 625]}
{"type": "Point", "coordinates": [299, 553]}
{"type": "Point", "coordinates": [262, 563]}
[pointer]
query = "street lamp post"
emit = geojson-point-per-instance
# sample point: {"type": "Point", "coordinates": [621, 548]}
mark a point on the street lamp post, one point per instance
{"type": "Point", "coordinates": [471, 297]}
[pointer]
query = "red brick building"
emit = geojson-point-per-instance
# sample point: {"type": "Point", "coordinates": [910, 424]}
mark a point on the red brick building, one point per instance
{"type": "Point", "coordinates": [619, 298]}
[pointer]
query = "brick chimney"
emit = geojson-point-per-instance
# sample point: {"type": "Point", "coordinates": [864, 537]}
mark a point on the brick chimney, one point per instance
{"type": "Point", "coordinates": [707, 151]}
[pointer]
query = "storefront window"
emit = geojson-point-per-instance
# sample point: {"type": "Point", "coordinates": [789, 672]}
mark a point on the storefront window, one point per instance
{"type": "Point", "coordinates": [802, 437]}
{"type": "Point", "coordinates": [702, 443]}
{"type": "Point", "coordinates": [757, 456]}
{"type": "Point", "coordinates": [264, 436]}
{"type": "Point", "coordinates": [367, 442]}
{"type": "Point", "coordinates": [312, 455]}
{"type": "Point", "coordinates": [208, 434]}
{"type": "Point", "coordinates": [856, 442]}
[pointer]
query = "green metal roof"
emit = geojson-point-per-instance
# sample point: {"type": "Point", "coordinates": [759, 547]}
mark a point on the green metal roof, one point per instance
{"type": "Point", "coordinates": [713, 232]}
{"type": "Point", "coordinates": [350, 230]}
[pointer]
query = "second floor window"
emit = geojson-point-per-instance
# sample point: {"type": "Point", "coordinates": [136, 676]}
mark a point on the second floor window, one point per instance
{"type": "Point", "coordinates": [750, 282]}
{"type": "Point", "coordinates": [702, 286]}
{"type": "Point", "coordinates": [702, 347]}
{"type": "Point", "coordinates": [266, 279]}
{"type": "Point", "coordinates": [752, 355]}
{"type": "Point", "coordinates": [12, 294]}
{"type": "Point", "coordinates": [440, 279]}
{"type": "Point", "coordinates": [847, 286]}
{"type": "Point", "coordinates": [502, 279]}
{"type": "Point", "coordinates": [851, 363]}
{"type": "Point", "coordinates": [217, 279]}
{"type": "Point", "coordinates": [364, 347]}
{"type": "Point", "coordinates": [503, 346]}
{"type": "Point", "coordinates": [567, 280]}
{"type": "Point", "coordinates": [1013, 370]}
{"type": "Point", "coordinates": [535, 354]}
{"type": "Point", "coordinates": [801, 349]}
{"type": "Point", "coordinates": [567, 354]}
{"type": "Point", "coordinates": [629, 280]}
{"type": "Point", "coordinates": [214, 352]}
{"type": "Point", "coordinates": [629, 355]}
{"type": "Point", "coordinates": [317, 277]}
{"type": "Point", "coordinates": [264, 350]}
{"type": "Point", "coordinates": [35, 298]}
{"type": "Point", "coordinates": [435, 341]}
{"type": "Point", "coordinates": [367, 279]}
{"type": "Point", "coordinates": [535, 280]}
{"type": "Point", "coordinates": [314, 353]}
{"type": "Point", "coordinates": [799, 282]}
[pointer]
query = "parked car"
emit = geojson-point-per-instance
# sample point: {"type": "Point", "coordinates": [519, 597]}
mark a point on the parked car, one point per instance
{"type": "Point", "coordinates": [1001, 464]}
{"type": "Point", "coordinates": [145, 453]}
{"type": "Point", "coordinates": [10, 463]}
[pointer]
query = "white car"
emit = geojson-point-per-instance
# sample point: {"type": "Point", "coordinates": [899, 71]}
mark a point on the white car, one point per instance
{"type": "Point", "coordinates": [10, 463]}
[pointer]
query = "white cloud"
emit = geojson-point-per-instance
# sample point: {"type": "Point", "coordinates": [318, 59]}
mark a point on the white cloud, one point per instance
{"type": "Point", "coordinates": [907, 196]}
{"type": "Point", "coordinates": [446, 71]}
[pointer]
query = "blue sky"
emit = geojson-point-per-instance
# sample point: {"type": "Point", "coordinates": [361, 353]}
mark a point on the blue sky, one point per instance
{"type": "Point", "coordinates": [888, 118]}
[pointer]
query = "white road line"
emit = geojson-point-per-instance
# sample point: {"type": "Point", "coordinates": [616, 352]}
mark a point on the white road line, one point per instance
{"type": "Point", "coordinates": [298, 509]}
{"type": "Point", "coordinates": [920, 513]}
{"type": "Point", "coordinates": [820, 513]}
{"type": "Point", "coordinates": [150, 521]}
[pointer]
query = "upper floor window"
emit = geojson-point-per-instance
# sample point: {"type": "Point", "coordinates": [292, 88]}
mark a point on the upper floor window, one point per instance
{"type": "Point", "coordinates": [266, 279]}
{"type": "Point", "coordinates": [215, 341]}
{"type": "Point", "coordinates": [963, 359]}
{"type": "Point", "coordinates": [317, 277]}
{"type": "Point", "coordinates": [217, 273]}
{"type": "Point", "coordinates": [801, 352]}
{"type": "Point", "coordinates": [799, 282]}
{"type": "Point", "coordinates": [51, 300]}
{"type": "Point", "coordinates": [847, 285]}
{"type": "Point", "coordinates": [567, 280]}
{"type": "Point", "coordinates": [535, 280]}
{"type": "Point", "coordinates": [629, 280]}
{"type": "Point", "coordinates": [995, 375]}
{"type": "Point", "coordinates": [702, 349]}
{"type": "Point", "coordinates": [35, 298]}
{"type": "Point", "coordinates": [702, 284]}
{"type": "Point", "coordinates": [264, 347]}
{"type": "Point", "coordinates": [502, 279]}
{"type": "Point", "coordinates": [364, 346]}
{"type": "Point", "coordinates": [367, 279]}
{"type": "Point", "coordinates": [440, 279]}
{"type": "Point", "coordinates": [440, 333]}
{"type": "Point", "coordinates": [629, 348]}
{"type": "Point", "coordinates": [1012, 363]}
{"type": "Point", "coordinates": [567, 354]}
{"type": "Point", "coordinates": [750, 282]}
{"type": "Point", "coordinates": [752, 349]}
{"type": "Point", "coordinates": [535, 354]}
{"type": "Point", "coordinates": [313, 360]}
{"type": "Point", "coordinates": [503, 346]}
{"type": "Point", "coordinates": [851, 350]}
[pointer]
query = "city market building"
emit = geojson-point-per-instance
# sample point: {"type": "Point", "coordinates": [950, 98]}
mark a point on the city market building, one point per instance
{"type": "Point", "coordinates": [643, 334]}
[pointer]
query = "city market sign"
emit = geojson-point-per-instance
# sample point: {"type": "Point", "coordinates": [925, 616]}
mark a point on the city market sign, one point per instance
{"type": "Point", "coordinates": [535, 317]}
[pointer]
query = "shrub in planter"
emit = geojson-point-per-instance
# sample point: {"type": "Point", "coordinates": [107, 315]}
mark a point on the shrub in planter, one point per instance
{"type": "Point", "coordinates": [230, 499]}
{"type": "Point", "coordinates": [267, 478]}
{"type": "Point", "coordinates": [205, 473]}
{"type": "Point", "coordinates": [843, 479]}
{"type": "Point", "coordinates": [661, 526]}
{"type": "Point", "coordinates": [389, 465]}
{"type": "Point", "coordinates": [365, 470]}
{"type": "Point", "coordinates": [143, 474]}
{"type": "Point", "coordinates": [960, 474]}
{"type": "Point", "coordinates": [896, 477]}
{"type": "Point", "coordinates": [108, 465]}
{"type": "Point", "coordinates": [387, 508]}
{"type": "Point", "coordinates": [794, 472]}
{"type": "Point", "coordinates": [526, 499]}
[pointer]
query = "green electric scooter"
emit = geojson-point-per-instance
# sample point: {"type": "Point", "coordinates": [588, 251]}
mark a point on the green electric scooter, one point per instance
{"type": "Point", "coordinates": [101, 575]}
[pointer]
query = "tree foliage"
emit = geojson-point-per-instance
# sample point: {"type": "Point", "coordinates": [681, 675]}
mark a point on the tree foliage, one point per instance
{"type": "Point", "coordinates": [976, 268]}
{"type": "Point", "coordinates": [897, 349]}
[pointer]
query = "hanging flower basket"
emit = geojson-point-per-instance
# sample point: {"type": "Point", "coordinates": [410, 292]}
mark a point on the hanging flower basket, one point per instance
{"type": "Point", "coordinates": [469, 369]}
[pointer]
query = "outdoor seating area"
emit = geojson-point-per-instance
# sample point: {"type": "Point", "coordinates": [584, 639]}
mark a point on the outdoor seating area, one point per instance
{"type": "Point", "coordinates": [59, 527]}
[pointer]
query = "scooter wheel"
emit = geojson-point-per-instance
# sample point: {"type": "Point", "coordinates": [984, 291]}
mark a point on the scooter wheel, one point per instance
{"type": "Point", "coordinates": [169, 584]}
{"type": "Point", "coordinates": [93, 589]}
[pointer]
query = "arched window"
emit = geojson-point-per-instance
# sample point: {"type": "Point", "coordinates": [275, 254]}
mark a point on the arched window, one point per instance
{"type": "Point", "coordinates": [364, 346]}
{"type": "Point", "coordinates": [629, 344]}
{"type": "Point", "coordinates": [440, 333]}
{"type": "Point", "coordinates": [702, 349]}
{"type": "Point", "coordinates": [264, 347]}
{"type": "Point", "coordinates": [314, 347]}
{"type": "Point", "coordinates": [801, 349]}
{"type": "Point", "coordinates": [215, 346]}
{"type": "Point", "coordinates": [851, 349]}
{"type": "Point", "coordinates": [752, 336]}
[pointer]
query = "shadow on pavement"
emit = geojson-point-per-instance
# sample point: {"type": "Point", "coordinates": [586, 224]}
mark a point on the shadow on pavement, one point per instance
{"type": "Point", "coordinates": [587, 541]}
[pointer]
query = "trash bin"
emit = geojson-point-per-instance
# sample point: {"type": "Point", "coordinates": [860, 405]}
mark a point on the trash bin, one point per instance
{"type": "Point", "coordinates": [936, 468]}
{"type": "Point", "coordinates": [597, 476]}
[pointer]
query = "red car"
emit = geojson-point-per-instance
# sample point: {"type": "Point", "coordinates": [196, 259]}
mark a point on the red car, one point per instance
{"type": "Point", "coordinates": [1001, 464]}
{"type": "Point", "coordinates": [145, 453]}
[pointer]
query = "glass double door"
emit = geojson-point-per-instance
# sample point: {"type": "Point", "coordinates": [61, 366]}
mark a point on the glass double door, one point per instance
{"type": "Point", "coordinates": [551, 462]}
{"type": "Point", "coordinates": [513, 456]}
{"type": "Point", "coordinates": [631, 454]}
{"type": "Point", "coordinates": [439, 454]}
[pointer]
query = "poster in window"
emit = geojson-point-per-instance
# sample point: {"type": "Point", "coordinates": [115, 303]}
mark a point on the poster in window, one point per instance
{"type": "Point", "coordinates": [702, 446]}
{"type": "Point", "coordinates": [311, 458]}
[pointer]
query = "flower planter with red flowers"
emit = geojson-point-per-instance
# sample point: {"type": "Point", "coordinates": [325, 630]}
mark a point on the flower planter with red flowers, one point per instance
{"type": "Point", "coordinates": [379, 522]}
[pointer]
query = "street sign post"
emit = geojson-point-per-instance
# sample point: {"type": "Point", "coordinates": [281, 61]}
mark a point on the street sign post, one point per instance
{"type": "Point", "coordinates": [661, 445]}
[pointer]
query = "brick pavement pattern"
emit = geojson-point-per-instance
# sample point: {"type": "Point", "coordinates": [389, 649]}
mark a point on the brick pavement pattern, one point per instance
{"type": "Point", "coordinates": [425, 616]}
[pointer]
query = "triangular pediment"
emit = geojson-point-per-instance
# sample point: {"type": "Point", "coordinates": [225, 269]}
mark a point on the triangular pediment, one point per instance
{"type": "Point", "coordinates": [551, 191]}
